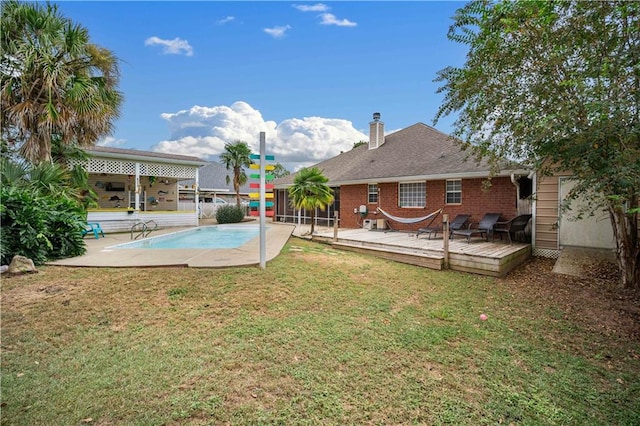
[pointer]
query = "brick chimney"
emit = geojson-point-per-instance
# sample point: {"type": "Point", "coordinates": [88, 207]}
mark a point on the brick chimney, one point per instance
{"type": "Point", "coordinates": [376, 132]}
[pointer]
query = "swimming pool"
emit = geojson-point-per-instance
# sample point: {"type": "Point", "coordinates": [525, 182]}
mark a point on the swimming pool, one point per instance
{"type": "Point", "coordinates": [202, 237]}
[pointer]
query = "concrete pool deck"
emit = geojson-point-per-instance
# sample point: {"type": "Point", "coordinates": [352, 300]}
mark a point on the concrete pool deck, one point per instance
{"type": "Point", "coordinates": [98, 255]}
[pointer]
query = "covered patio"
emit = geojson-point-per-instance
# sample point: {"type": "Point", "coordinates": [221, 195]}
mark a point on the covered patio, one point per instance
{"type": "Point", "coordinates": [494, 258]}
{"type": "Point", "coordinates": [134, 187]}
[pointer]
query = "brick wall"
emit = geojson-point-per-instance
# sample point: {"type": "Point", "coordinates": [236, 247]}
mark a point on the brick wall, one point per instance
{"type": "Point", "coordinates": [500, 198]}
{"type": "Point", "coordinates": [352, 197]}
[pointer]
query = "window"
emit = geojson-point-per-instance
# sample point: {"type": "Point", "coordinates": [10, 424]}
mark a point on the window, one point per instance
{"type": "Point", "coordinates": [526, 187]}
{"type": "Point", "coordinates": [413, 194]}
{"type": "Point", "coordinates": [373, 193]}
{"type": "Point", "coordinates": [454, 191]}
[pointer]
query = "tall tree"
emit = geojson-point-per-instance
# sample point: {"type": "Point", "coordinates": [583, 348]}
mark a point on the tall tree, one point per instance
{"type": "Point", "coordinates": [236, 157]}
{"type": "Point", "coordinates": [53, 81]}
{"type": "Point", "coordinates": [556, 85]}
{"type": "Point", "coordinates": [279, 171]}
{"type": "Point", "coordinates": [359, 143]}
{"type": "Point", "coordinates": [310, 191]}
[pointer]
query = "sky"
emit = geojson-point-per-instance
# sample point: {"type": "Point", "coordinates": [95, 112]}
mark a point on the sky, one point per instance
{"type": "Point", "coordinates": [197, 75]}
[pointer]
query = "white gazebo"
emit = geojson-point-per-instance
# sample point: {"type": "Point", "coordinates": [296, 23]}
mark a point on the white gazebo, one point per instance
{"type": "Point", "coordinates": [136, 187]}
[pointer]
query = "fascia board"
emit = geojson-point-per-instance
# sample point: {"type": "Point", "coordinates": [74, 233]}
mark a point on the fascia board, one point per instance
{"type": "Point", "coordinates": [214, 190]}
{"type": "Point", "coordinates": [146, 159]}
{"type": "Point", "coordinates": [467, 175]}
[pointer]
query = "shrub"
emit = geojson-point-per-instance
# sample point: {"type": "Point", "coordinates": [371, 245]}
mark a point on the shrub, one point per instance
{"type": "Point", "coordinates": [230, 213]}
{"type": "Point", "coordinates": [39, 227]}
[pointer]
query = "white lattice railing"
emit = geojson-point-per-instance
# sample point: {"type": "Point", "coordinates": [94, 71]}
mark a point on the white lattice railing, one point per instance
{"type": "Point", "coordinates": [168, 170]}
{"type": "Point", "coordinates": [122, 167]}
{"type": "Point", "coordinates": [553, 254]}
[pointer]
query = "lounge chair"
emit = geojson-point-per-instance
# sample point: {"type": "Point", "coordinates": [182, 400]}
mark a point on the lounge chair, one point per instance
{"type": "Point", "coordinates": [512, 227]}
{"type": "Point", "coordinates": [457, 223]}
{"type": "Point", "coordinates": [484, 227]}
{"type": "Point", "coordinates": [93, 227]}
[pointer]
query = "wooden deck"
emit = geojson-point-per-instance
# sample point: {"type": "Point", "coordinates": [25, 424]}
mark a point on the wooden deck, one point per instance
{"type": "Point", "coordinates": [479, 257]}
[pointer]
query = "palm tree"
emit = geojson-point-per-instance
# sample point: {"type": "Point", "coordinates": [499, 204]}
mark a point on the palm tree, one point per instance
{"type": "Point", "coordinates": [236, 157]}
{"type": "Point", "coordinates": [44, 179]}
{"type": "Point", "coordinates": [53, 81]}
{"type": "Point", "coordinates": [279, 171]}
{"type": "Point", "coordinates": [310, 191]}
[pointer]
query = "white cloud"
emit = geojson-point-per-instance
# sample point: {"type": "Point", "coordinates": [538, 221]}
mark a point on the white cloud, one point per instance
{"type": "Point", "coordinates": [177, 46]}
{"type": "Point", "coordinates": [318, 7]}
{"type": "Point", "coordinates": [330, 19]}
{"type": "Point", "coordinates": [277, 32]}
{"type": "Point", "coordinates": [111, 141]}
{"type": "Point", "coordinates": [225, 20]}
{"type": "Point", "coordinates": [325, 18]}
{"type": "Point", "coordinates": [295, 142]}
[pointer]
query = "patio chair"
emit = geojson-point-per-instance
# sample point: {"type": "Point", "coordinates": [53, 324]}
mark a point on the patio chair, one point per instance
{"type": "Point", "coordinates": [93, 227]}
{"type": "Point", "coordinates": [457, 223]}
{"type": "Point", "coordinates": [484, 227]}
{"type": "Point", "coordinates": [512, 227]}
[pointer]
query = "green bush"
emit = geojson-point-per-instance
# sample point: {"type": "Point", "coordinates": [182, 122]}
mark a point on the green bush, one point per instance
{"type": "Point", "coordinates": [39, 227]}
{"type": "Point", "coordinates": [230, 213]}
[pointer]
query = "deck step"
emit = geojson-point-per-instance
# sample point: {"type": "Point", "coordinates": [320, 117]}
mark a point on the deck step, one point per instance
{"type": "Point", "coordinates": [397, 254]}
{"type": "Point", "coordinates": [480, 257]}
{"type": "Point", "coordinates": [382, 246]}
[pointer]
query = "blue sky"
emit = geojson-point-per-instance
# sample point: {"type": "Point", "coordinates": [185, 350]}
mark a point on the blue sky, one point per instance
{"type": "Point", "coordinates": [196, 75]}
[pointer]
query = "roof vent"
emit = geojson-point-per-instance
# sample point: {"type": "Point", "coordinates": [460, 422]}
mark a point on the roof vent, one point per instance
{"type": "Point", "coordinates": [376, 116]}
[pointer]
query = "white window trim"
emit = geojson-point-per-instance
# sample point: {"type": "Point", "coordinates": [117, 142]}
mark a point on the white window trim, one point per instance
{"type": "Point", "coordinates": [408, 183]}
{"type": "Point", "coordinates": [369, 193]}
{"type": "Point", "coordinates": [446, 192]}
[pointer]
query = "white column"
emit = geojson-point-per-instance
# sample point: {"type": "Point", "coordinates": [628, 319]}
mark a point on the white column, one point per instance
{"type": "Point", "coordinates": [263, 184]}
{"type": "Point", "coordinates": [197, 196]}
{"type": "Point", "coordinates": [136, 205]}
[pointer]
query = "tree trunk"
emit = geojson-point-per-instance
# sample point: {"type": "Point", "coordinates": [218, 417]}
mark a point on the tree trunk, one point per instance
{"type": "Point", "coordinates": [625, 230]}
{"type": "Point", "coordinates": [313, 219]}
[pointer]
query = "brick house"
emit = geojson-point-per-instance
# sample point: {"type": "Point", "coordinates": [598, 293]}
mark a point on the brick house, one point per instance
{"type": "Point", "coordinates": [410, 173]}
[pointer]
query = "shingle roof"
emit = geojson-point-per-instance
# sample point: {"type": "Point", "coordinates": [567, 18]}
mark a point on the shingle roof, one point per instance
{"type": "Point", "coordinates": [214, 176]}
{"type": "Point", "coordinates": [418, 151]}
{"type": "Point", "coordinates": [104, 151]}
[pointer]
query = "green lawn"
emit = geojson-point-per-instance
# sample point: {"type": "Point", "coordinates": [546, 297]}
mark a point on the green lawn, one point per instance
{"type": "Point", "coordinates": [319, 337]}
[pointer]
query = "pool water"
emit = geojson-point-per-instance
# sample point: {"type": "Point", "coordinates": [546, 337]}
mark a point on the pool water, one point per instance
{"type": "Point", "coordinates": [203, 237]}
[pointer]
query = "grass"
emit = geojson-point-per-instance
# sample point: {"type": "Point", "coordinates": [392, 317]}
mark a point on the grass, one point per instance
{"type": "Point", "coordinates": [320, 336]}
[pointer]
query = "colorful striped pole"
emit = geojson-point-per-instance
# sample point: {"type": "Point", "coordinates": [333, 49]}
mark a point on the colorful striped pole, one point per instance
{"type": "Point", "coordinates": [263, 225]}
{"type": "Point", "coordinates": [262, 195]}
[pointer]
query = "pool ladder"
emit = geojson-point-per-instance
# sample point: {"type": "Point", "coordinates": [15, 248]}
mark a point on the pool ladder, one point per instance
{"type": "Point", "coordinates": [144, 228]}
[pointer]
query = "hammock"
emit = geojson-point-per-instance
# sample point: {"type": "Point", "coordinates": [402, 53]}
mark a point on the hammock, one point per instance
{"type": "Point", "coordinates": [410, 219]}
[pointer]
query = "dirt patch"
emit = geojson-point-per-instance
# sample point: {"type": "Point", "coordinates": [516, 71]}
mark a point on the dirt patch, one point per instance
{"type": "Point", "coordinates": [31, 294]}
{"type": "Point", "coordinates": [414, 300]}
{"type": "Point", "coordinates": [325, 255]}
{"type": "Point", "coordinates": [594, 300]}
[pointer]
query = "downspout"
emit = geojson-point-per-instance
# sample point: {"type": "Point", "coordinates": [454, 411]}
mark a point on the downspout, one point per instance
{"type": "Point", "coordinates": [534, 210]}
{"type": "Point", "coordinates": [513, 181]}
